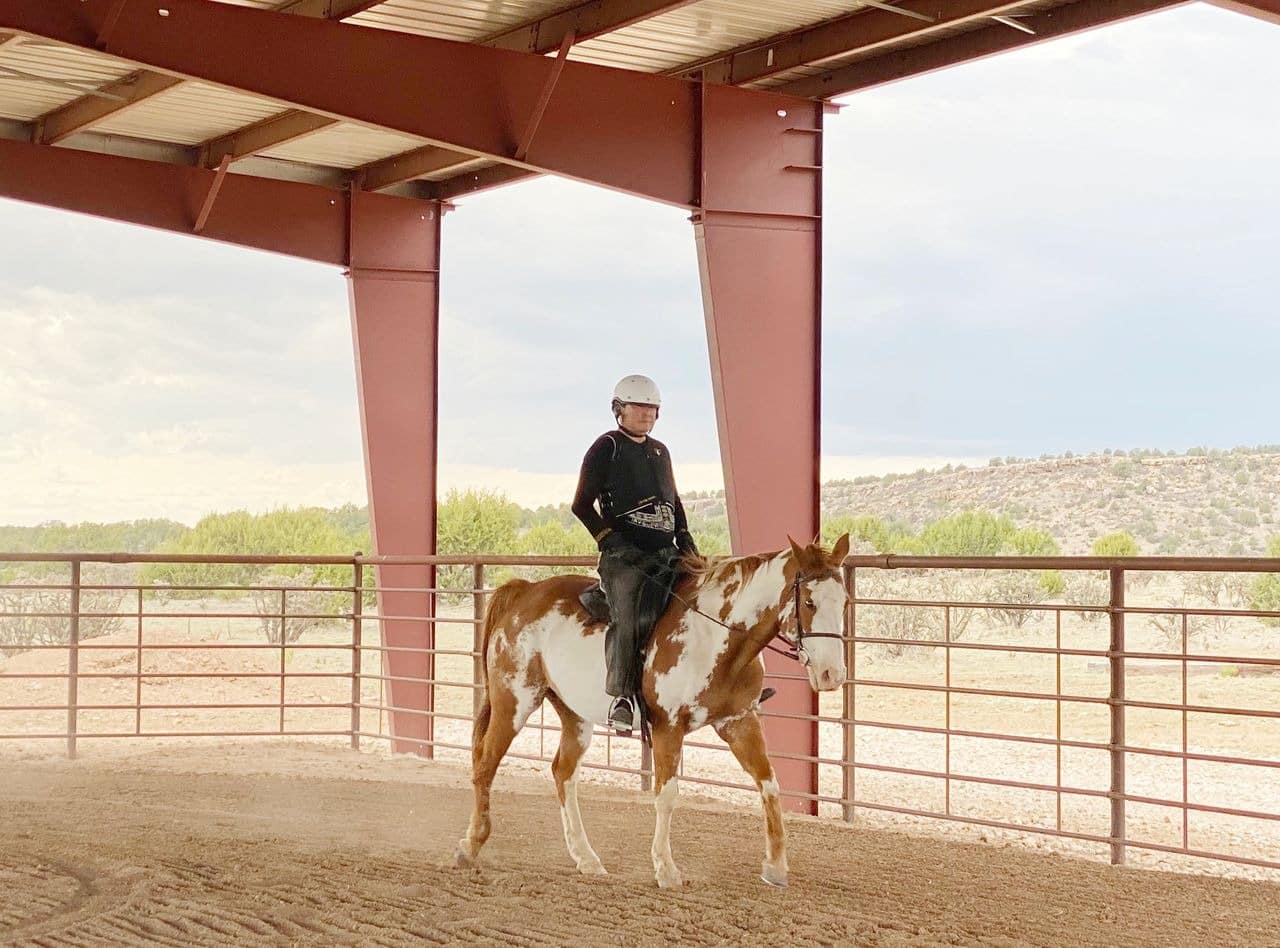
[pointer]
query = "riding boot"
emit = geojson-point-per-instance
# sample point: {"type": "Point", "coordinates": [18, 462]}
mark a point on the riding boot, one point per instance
{"type": "Point", "coordinates": [622, 716]}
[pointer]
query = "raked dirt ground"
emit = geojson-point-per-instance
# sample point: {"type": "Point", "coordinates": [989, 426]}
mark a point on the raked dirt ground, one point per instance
{"type": "Point", "coordinates": [213, 843]}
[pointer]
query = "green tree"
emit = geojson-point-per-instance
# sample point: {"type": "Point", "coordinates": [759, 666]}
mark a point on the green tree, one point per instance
{"type": "Point", "coordinates": [472, 522]}
{"type": "Point", "coordinates": [288, 531]}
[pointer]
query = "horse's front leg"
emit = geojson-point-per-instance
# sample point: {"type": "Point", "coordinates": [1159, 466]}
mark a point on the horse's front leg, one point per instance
{"type": "Point", "coordinates": [746, 740]}
{"type": "Point", "coordinates": [667, 741]}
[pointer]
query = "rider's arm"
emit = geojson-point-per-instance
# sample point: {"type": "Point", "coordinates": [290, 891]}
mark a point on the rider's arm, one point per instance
{"type": "Point", "coordinates": [591, 480]}
{"type": "Point", "coordinates": [684, 539]}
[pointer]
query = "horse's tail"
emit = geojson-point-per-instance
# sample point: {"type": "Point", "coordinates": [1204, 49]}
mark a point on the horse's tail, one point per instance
{"type": "Point", "coordinates": [496, 610]}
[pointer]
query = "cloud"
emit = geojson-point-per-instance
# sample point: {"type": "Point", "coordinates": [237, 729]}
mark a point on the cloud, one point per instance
{"type": "Point", "coordinates": [1061, 248]}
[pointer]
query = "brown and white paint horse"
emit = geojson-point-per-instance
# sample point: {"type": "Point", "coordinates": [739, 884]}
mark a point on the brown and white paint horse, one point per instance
{"type": "Point", "coordinates": [540, 643]}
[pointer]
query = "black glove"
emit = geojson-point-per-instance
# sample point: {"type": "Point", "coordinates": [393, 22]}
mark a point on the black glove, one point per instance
{"type": "Point", "coordinates": [685, 544]}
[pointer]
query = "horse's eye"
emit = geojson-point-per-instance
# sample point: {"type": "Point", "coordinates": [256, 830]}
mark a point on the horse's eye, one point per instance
{"type": "Point", "coordinates": [810, 604]}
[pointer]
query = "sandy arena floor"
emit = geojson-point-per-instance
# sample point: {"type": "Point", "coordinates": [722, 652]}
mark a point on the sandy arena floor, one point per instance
{"type": "Point", "coordinates": [286, 843]}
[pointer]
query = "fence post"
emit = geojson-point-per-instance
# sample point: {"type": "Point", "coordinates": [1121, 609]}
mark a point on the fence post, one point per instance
{"type": "Point", "coordinates": [1115, 660]}
{"type": "Point", "coordinates": [848, 774]}
{"type": "Point", "coordinates": [73, 661]}
{"type": "Point", "coordinates": [357, 612]}
{"type": "Point", "coordinates": [284, 607]}
{"type": "Point", "coordinates": [477, 636]}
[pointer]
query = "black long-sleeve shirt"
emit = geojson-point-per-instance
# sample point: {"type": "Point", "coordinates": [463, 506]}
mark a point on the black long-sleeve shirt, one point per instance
{"type": "Point", "coordinates": [629, 487]}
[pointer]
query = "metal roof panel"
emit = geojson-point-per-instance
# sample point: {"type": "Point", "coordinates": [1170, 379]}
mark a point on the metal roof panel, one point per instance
{"type": "Point", "coordinates": [345, 145]}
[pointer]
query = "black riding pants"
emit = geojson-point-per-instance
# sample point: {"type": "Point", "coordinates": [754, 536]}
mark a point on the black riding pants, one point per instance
{"type": "Point", "coordinates": [637, 586]}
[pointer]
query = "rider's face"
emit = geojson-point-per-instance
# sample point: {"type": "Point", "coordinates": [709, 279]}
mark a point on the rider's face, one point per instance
{"type": "Point", "coordinates": [638, 418]}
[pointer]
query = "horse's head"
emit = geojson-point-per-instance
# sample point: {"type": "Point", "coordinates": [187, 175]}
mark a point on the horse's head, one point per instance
{"type": "Point", "coordinates": [812, 615]}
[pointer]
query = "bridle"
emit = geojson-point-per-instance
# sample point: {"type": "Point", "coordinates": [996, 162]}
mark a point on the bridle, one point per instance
{"type": "Point", "coordinates": [795, 645]}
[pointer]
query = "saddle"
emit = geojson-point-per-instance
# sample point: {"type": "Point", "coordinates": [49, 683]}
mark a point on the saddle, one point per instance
{"type": "Point", "coordinates": [594, 601]}
{"type": "Point", "coordinates": [597, 606]}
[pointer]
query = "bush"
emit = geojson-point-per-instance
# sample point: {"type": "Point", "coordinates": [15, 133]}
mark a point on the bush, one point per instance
{"type": "Point", "coordinates": [312, 606]}
{"type": "Point", "coordinates": [1264, 592]}
{"type": "Point", "coordinates": [972, 533]}
{"type": "Point", "coordinates": [25, 621]}
{"type": "Point", "coordinates": [1120, 543]}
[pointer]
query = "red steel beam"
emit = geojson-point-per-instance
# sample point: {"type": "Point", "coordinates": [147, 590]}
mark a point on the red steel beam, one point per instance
{"type": "Point", "coordinates": [864, 30]}
{"type": "Point", "coordinates": [483, 179]}
{"type": "Point", "coordinates": [219, 176]}
{"type": "Point", "coordinates": [90, 109]}
{"type": "Point", "coordinates": [537, 36]}
{"type": "Point", "coordinates": [974, 45]}
{"type": "Point", "coordinates": [544, 98]}
{"type": "Point", "coordinates": [761, 293]}
{"type": "Point", "coordinates": [87, 111]}
{"type": "Point", "coordinates": [479, 101]}
{"type": "Point", "coordinates": [542, 35]}
{"type": "Point", "coordinates": [409, 165]}
{"type": "Point", "coordinates": [169, 197]}
{"type": "Point", "coordinates": [263, 136]}
{"type": "Point", "coordinates": [395, 302]}
{"type": "Point", "coordinates": [585, 21]}
{"type": "Point", "coordinates": [1268, 10]}
{"type": "Point", "coordinates": [327, 9]}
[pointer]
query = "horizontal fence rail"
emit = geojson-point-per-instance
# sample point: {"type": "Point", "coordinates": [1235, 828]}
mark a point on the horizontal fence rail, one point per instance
{"type": "Point", "coordinates": [1088, 699]}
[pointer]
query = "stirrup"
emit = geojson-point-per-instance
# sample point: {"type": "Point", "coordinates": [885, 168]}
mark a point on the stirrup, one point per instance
{"type": "Point", "coordinates": [622, 725]}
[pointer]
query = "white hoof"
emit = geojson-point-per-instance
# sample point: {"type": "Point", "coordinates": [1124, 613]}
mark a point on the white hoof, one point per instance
{"type": "Point", "coordinates": [669, 878]}
{"type": "Point", "coordinates": [592, 868]}
{"type": "Point", "coordinates": [461, 858]}
{"type": "Point", "coordinates": [774, 875]}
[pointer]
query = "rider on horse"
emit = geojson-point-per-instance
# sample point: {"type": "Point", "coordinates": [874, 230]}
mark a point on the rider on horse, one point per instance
{"type": "Point", "coordinates": [627, 499]}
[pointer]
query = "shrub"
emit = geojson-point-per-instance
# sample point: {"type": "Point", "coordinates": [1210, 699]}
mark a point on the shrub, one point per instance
{"type": "Point", "coordinates": [1120, 543]}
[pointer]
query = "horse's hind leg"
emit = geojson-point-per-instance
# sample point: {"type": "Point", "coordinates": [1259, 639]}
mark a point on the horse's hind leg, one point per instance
{"type": "Point", "coordinates": [746, 739]}
{"type": "Point", "coordinates": [575, 739]}
{"type": "Point", "coordinates": [506, 715]}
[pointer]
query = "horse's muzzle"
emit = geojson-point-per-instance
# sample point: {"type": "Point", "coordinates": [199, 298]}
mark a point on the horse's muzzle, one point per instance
{"type": "Point", "coordinates": [826, 679]}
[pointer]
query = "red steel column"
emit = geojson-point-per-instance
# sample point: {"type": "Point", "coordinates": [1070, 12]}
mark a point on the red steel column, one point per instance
{"type": "Point", "coordinates": [394, 288]}
{"type": "Point", "coordinates": [758, 236]}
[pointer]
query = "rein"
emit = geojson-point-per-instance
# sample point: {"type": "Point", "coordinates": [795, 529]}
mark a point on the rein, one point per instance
{"type": "Point", "coordinates": [795, 645]}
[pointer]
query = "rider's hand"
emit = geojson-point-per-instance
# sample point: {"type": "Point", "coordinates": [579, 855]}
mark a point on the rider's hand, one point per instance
{"type": "Point", "coordinates": [685, 543]}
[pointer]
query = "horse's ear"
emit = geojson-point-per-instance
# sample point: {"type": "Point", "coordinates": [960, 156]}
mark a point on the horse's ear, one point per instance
{"type": "Point", "coordinates": [840, 550]}
{"type": "Point", "coordinates": [796, 551]}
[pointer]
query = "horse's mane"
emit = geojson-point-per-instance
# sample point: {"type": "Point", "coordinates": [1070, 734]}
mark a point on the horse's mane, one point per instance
{"type": "Point", "coordinates": [704, 569]}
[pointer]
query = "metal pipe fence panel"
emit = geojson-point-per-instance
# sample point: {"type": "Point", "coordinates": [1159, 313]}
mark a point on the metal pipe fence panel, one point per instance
{"type": "Point", "coordinates": [985, 693]}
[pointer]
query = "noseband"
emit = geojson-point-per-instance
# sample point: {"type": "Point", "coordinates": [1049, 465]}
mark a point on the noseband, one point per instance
{"type": "Point", "coordinates": [795, 646]}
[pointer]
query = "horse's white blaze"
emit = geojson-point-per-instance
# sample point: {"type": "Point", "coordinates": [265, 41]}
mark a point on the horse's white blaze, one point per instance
{"type": "Point", "coordinates": [574, 665]}
{"type": "Point", "coordinates": [826, 656]}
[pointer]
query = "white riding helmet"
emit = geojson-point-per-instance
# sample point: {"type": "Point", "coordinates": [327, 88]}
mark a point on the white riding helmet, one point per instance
{"type": "Point", "coordinates": [637, 389]}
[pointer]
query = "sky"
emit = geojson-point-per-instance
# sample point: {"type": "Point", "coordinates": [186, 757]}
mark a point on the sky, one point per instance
{"type": "Point", "coordinates": [1065, 248]}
